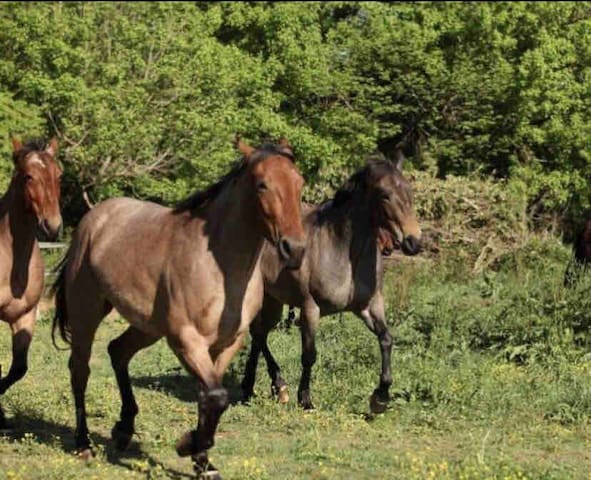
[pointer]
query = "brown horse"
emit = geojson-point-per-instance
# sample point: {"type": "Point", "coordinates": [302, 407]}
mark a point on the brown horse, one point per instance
{"type": "Point", "coordinates": [191, 274]}
{"type": "Point", "coordinates": [342, 271]}
{"type": "Point", "coordinates": [30, 205]}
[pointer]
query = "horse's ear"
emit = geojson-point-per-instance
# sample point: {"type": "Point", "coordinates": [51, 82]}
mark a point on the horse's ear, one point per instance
{"type": "Point", "coordinates": [399, 159]}
{"type": "Point", "coordinates": [285, 146]}
{"type": "Point", "coordinates": [52, 147]}
{"type": "Point", "coordinates": [16, 144]}
{"type": "Point", "coordinates": [243, 147]}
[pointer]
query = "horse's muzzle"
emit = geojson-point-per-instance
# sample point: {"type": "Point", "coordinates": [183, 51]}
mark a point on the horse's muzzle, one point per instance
{"type": "Point", "coordinates": [51, 228]}
{"type": "Point", "coordinates": [411, 245]}
{"type": "Point", "coordinates": [291, 252]}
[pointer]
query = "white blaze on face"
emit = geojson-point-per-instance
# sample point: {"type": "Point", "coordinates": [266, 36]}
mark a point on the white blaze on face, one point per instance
{"type": "Point", "coordinates": [35, 159]}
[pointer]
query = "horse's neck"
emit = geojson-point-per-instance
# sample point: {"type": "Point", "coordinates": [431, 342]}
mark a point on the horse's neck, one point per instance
{"type": "Point", "coordinates": [18, 229]}
{"type": "Point", "coordinates": [234, 231]}
{"type": "Point", "coordinates": [353, 229]}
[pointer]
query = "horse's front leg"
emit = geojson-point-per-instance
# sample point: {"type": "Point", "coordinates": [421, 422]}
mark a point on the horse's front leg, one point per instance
{"type": "Point", "coordinates": [268, 318]}
{"type": "Point", "coordinates": [310, 316]}
{"type": "Point", "coordinates": [22, 334]}
{"type": "Point", "coordinates": [375, 318]}
{"type": "Point", "coordinates": [213, 397]}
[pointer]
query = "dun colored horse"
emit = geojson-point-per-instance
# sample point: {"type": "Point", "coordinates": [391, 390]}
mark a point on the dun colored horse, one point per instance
{"type": "Point", "coordinates": [30, 205]}
{"type": "Point", "coordinates": [190, 274]}
{"type": "Point", "coordinates": [342, 271]}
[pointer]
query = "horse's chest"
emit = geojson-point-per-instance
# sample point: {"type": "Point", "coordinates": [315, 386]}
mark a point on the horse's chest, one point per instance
{"type": "Point", "coordinates": [237, 311]}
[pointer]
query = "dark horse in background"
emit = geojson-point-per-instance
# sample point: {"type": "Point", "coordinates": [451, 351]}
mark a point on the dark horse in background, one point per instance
{"type": "Point", "coordinates": [581, 256]}
{"type": "Point", "coordinates": [342, 270]}
{"type": "Point", "coordinates": [30, 206]}
{"type": "Point", "coordinates": [191, 274]}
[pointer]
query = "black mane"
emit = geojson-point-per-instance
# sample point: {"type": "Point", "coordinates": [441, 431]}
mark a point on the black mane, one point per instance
{"type": "Point", "coordinates": [202, 198]}
{"type": "Point", "coordinates": [375, 167]}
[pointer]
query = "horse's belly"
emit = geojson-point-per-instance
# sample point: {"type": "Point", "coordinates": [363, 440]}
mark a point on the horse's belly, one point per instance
{"type": "Point", "coordinates": [332, 293]}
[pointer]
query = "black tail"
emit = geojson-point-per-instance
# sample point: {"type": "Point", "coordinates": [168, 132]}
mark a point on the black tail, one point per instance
{"type": "Point", "coordinates": [60, 318]}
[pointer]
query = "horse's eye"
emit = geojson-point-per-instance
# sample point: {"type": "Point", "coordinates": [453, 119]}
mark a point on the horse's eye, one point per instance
{"type": "Point", "coordinates": [28, 178]}
{"type": "Point", "coordinates": [261, 186]}
{"type": "Point", "coordinates": [384, 196]}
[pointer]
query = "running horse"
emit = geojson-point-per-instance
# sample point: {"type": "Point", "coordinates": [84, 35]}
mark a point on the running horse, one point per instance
{"type": "Point", "coordinates": [31, 205]}
{"type": "Point", "coordinates": [342, 270]}
{"type": "Point", "coordinates": [190, 274]}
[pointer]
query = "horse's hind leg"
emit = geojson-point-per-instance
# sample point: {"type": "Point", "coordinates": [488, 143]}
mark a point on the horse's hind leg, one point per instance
{"type": "Point", "coordinates": [22, 334]}
{"type": "Point", "coordinates": [121, 351]}
{"type": "Point", "coordinates": [85, 314]}
{"type": "Point", "coordinates": [375, 319]}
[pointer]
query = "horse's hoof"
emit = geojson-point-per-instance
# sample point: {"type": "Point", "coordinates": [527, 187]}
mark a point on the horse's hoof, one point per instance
{"type": "Point", "coordinates": [247, 397]}
{"type": "Point", "coordinates": [211, 475]}
{"type": "Point", "coordinates": [283, 395]}
{"type": "Point", "coordinates": [184, 446]}
{"type": "Point", "coordinates": [377, 405]}
{"type": "Point", "coordinates": [305, 401]}
{"type": "Point", "coordinates": [85, 454]}
{"type": "Point", "coordinates": [204, 469]}
{"type": "Point", "coordinates": [121, 438]}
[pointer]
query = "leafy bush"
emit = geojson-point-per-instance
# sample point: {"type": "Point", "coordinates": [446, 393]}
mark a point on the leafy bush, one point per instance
{"type": "Point", "coordinates": [146, 97]}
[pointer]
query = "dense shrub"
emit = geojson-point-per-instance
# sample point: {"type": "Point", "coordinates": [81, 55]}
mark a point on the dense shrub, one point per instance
{"type": "Point", "coordinates": [147, 96]}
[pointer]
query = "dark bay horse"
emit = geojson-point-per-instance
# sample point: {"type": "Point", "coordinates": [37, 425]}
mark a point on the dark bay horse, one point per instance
{"type": "Point", "coordinates": [581, 257]}
{"type": "Point", "coordinates": [342, 271]}
{"type": "Point", "coordinates": [385, 246]}
{"type": "Point", "coordinates": [31, 205]}
{"type": "Point", "coordinates": [190, 274]}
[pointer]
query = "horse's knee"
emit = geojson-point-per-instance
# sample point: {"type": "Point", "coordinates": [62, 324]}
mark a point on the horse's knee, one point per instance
{"type": "Point", "coordinates": [217, 400]}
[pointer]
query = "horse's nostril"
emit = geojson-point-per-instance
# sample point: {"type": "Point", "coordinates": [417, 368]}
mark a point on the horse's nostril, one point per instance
{"type": "Point", "coordinates": [411, 245]}
{"type": "Point", "coordinates": [285, 249]}
{"type": "Point", "coordinates": [291, 252]}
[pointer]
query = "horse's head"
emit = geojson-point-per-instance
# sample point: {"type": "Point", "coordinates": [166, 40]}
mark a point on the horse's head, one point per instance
{"type": "Point", "coordinates": [277, 184]}
{"type": "Point", "coordinates": [391, 200]}
{"type": "Point", "coordinates": [38, 174]}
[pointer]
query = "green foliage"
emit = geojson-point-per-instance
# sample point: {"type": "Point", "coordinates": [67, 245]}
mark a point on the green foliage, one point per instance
{"type": "Point", "coordinates": [17, 119]}
{"type": "Point", "coordinates": [146, 97]}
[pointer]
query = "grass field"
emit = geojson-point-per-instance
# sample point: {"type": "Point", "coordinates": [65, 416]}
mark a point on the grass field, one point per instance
{"type": "Point", "coordinates": [492, 379]}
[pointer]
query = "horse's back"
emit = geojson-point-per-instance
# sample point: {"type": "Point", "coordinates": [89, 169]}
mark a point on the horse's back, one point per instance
{"type": "Point", "coordinates": [121, 246]}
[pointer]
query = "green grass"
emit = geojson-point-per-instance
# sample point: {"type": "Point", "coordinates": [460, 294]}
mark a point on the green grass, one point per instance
{"type": "Point", "coordinates": [491, 380]}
